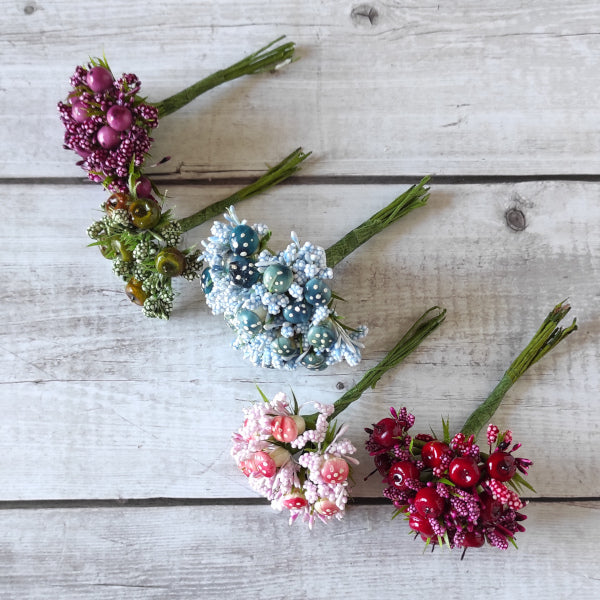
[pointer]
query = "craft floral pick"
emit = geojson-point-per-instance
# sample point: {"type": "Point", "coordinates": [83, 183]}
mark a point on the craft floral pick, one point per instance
{"type": "Point", "coordinates": [281, 305]}
{"type": "Point", "coordinates": [303, 464]}
{"type": "Point", "coordinates": [109, 124]}
{"type": "Point", "coordinates": [450, 491]}
{"type": "Point", "coordinates": [142, 241]}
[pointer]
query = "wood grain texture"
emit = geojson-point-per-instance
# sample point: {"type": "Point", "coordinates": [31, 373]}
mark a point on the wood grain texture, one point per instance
{"type": "Point", "coordinates": [211, 552]}
{"type": "Point", "coordinates": [382, 87]}
{"type": "Point", "coordinates": [99, 402]}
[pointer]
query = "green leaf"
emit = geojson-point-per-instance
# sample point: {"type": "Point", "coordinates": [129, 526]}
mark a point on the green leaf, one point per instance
{"type": "Point", "coordinates": [262, 394]}
{"type": "Point", "coordinates": [512, 541]}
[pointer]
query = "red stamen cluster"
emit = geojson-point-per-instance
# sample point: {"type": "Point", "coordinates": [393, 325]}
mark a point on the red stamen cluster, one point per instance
{"type": "Point", "coordinates": [450, 491]}
{"type": "Point", "coordinates": [107, 124]}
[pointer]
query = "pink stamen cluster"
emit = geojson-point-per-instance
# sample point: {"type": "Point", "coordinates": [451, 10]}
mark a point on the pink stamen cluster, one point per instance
{"type": "Point", "coordinates": [107, 124]}
{"type": "Point", "coordinates": [449, 490]}
{"type": "Point", "coordinates": [302, 471]}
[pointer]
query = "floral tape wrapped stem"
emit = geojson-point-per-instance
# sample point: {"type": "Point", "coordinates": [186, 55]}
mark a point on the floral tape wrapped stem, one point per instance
{"type": "Point", "coordinates": [142, 241]}
{"type": "Point", "coordinates": [302, 463]}
{"type": "Point", "coordinates": [449, 490]}
{"type": "Point", "coordinates": [109, 124]}
{"type": "Point", "coordinates": [280, 305]}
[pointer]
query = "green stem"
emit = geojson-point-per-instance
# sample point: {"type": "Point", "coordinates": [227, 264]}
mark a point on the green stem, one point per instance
{"type": "Point", "coordinates": [287, 167]}
{"type": "Point", "coordinates": [546, 337]}
{"type": "Point", "coordinates": [414, 197]}
{"type": "Point", "coordinates": [424, 325]}
{"type": "Point", "coordinates": [265, 59]}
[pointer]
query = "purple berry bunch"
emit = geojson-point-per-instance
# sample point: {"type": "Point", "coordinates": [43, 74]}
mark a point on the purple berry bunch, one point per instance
{"type": "Point", "coordinates": [107, 123]}
{"type": "Point", "coordinates": [451, 492]}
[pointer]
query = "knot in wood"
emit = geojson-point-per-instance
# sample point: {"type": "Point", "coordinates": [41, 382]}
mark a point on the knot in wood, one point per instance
{"type": "Point", "coordinates": [364, 12]}
{"type": "Point", "coordinates": [339, 385]}
{"type": "Point", "coordinates": [515, 219]}
{"type": "Point", "coordinates": [29, 9]}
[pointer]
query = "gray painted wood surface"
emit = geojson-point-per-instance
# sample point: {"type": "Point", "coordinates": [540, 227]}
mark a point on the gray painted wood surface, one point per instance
{"type": "Point", "coordinates": [107, 415]}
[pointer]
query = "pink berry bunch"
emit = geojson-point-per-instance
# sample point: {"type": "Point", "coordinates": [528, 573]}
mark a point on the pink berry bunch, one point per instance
{"type": "Point", "coordinates": [451, 492]}
{"type": "Point", "coordinates": [107, 123]}
{"type": "Point", "coordinates": [300, 470]}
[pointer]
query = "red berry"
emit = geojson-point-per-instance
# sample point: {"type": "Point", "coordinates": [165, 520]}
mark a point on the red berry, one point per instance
{"type": "Point", "coordinates": [473, 539]}
{"type": "Point", "coordinates": [420, 524]}
{"type": "Point", "coordinates": [401, 471]}
{"type": "Point", "coordinates": [464, 472]}
{"type": "Point", "coordinates": [335, 470]}
{"type": "Point", "coordinates": [429, 503]}
{"type": "Point", "coordinates": [295, 500]}
{"type": "Point", "coordinates": [491, 509]}
{"type": "Point", "coordinates": [386, 432]}
{"type": "Point", "coordinates": [502, 466]}
{"type": "Point", "coordinates": [285, 428]}
{"type": "Point", "coordinates": [326, 507]}
{"type": "Point", "coordinates": [433, 452]}
{"type": "Point", "coordinates": [143, 188]}
{"type": "Point", "coordinates": [383, 462]}
{"type": "Point", "coordinates": [99, 79]}
{"type": "Point", "coordinates": [264, 464]}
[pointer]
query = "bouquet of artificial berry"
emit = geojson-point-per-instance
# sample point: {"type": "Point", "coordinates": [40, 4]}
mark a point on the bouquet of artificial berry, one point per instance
{"type": "Point", "coordinates": [450, 491]}
{"type": "Point", "coordinates": [108, 124]}
{"type": "Point", "coordinates": [281, 305]}
{"type": "Point", "coordinates": [302, 463]}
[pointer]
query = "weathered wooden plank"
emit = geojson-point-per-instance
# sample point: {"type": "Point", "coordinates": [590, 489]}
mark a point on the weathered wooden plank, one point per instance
{"type": "Point", "coordinates": [206, 552]}
{"type": "Point", "coordinates": [99, 402]}
{"type": "Point", "coordinates": [382, 88]}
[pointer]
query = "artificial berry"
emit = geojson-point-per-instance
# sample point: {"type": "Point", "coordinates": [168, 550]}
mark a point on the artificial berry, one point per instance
{"type": "Point", "coordinates": [120, 248]}
{"type": "Point", "coordinates": [335, 470]}
{"type": "Point", "coordinates": [464, 472]}
{"type": "Point", "coordinates": [206, 281]}
{"type": "Point", "coordinates": [264, 464]}
{"type": "Point", "coordinates": [501, 466]}
{"type": "Point", "coordinates": [243, 272]}
{"type": "Point", "coordinates": [429, 503]}
{"type": "Point", "coordinates": [79, 111]}
{"type": "Point", "coordinates": [401, 471]}
{"type": "Point", "coordinates": [296, 313]}
{"type": "Point", "coordinates": [433, 453]}
{"type": "Point", "coordinates": [295, 500]}
{"type": "Point", "coordinates": [247, 466]}
{"type": "Point", "coordinates": [119, 117]}
{"type": "Point", "coordinates": [144, 213]}
{"type": "Point", "coordinates": [473, 539]}
{"type": "Point", "coordinates": [108, 138]}
{"type": "Point", "coordinates": [386, 432]}
{"type": "Point", "coordinates": [327, 508]}
{"type": "Point", "coordinates": [135, 293]}
{"type": "Point", "coordinates": [170, 262]}
{"type": "Point", "coordinates": [286, 428]}
{"type": "Point", "coordinates": [490, 509]}
{"type": "Point", "coordinates": [383, 462]}
{"type": "Point", "coordinates": [244, 240]}
{"type": "Point", "coordinates": [280, 456]}
{"type": "Point", "coordinates": [278, 278]}
{"type": "Point", "coordinates": [421, 524]}
{"type": "Point", "coordinates": [99, 79]}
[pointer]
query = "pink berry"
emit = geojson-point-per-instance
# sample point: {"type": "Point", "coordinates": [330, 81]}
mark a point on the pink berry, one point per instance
{"type": "Point", "coordinates": [99, 79]}
{"type": "Point", "coordinates": [464, 472]}
{"type": "Point", "coordinates": [429, 503]}
{"type": "Point", "coordinates": [79, 111]}
{"type": "Point", "coordinates": [285, 428]}
{"type": "Point", "coordinates": [264, 464]}
{"type": "Point", "coordinates": [401, 471]}
{"type": "Point", "coordinates": [143, 188]}
{"type": "Point", "coordinates": [433, 452]}
{"type": "Point", "coordinates": [119, 117]}
{"type": "Point", "coordinates": [247, 466]}
{"type": "Point", "coordinates": [295, 500]}
{"type": "Point", "coordinates": [108, 137]}
{"type": "Point", "coordinates": [326, 507]}
{"type": "Point", "coordinates": [386, 432]}
{"type": "Point", "coordinates": [501, 466]}
{"type": "Point", "coordinates": [420, 524]}
{"type": "Point", "coordinates": [335, 470]}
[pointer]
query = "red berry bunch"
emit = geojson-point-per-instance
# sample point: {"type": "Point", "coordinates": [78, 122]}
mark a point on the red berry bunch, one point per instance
{"type": "Point", "coordinates": [107, 123]}
{"type": "Point", "coordinates": [449, 490]}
